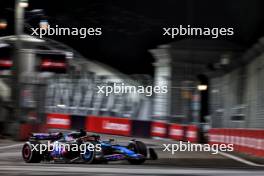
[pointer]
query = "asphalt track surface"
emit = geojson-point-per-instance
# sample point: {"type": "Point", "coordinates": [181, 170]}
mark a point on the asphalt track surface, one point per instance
{"type": "Point", "coordinates": [181, 163]}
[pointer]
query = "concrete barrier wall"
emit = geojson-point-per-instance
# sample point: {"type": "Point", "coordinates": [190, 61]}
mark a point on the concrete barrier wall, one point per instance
{"type": "Point", "coordinates": [249, 141]}
{"type": "Point", "coordinates": [113, 125]}
{"type": "Point", "coordinates": [124, 126]}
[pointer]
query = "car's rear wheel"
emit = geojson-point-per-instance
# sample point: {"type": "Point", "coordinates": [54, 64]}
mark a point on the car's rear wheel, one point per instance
{"type": "Point", "coordinates": [140, 148]}
{"type": "Point", "coordinates": [88, 156]}
{"type": "Point", "coordinates": [31, 154]}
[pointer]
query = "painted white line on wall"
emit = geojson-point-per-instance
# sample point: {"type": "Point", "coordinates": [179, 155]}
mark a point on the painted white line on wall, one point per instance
{"type": "Point", "coordinates": [241, 160]}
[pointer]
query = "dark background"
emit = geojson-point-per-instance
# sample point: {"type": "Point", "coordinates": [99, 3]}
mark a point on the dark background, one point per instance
{"type": "Point", "coordinates": [131, 27]}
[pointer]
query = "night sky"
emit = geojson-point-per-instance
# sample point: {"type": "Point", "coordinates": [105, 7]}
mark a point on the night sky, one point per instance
{"type": "Point", "coordinates": [131, 28]}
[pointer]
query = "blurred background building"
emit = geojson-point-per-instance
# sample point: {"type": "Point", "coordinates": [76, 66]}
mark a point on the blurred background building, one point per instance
{"type": "Point", "coordinates": [233, 97]}
{"type": "Point", "coordinates": [213, 82]}
{"type": "Point", "coordinates": [57, 79]}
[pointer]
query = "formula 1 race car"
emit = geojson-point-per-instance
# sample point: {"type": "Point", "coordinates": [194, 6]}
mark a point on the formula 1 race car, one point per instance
{"type": "Point", "coordinates": [80, 147]}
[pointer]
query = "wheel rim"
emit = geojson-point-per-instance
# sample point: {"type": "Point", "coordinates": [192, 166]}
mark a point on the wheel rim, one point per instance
{"type": "Point", "coordinates": [88, 155]}
{"type": "Point", "coordinates": [26, 152]}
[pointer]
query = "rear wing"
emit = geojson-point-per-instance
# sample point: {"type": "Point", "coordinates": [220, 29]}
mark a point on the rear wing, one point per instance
{"type": "Point", "coordinates": [45, 136]}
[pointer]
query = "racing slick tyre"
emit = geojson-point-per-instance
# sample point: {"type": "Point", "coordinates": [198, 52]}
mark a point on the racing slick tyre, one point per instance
{"type": "Point", "coordinates": [140, 148]}
{"type": "Point", "coordinates": [89, 155]}
{"type": "Point", "coordinates": [30, 154]}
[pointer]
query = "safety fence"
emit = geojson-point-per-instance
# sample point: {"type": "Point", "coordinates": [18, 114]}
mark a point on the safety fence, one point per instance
{"type": "Point", "coordinates": [249, 141]}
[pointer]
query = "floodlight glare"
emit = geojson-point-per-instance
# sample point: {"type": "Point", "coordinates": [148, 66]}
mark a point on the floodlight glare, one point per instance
{"type": "Point", "coordinates": [202, 87]}
{"type": "Point", "coordinates": [3, 24]}
{"type": "Point", "coordinates": [23, 3]}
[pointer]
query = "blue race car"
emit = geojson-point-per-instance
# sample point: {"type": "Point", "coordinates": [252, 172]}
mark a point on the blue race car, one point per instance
{"type": "Point", "coordinates": [80, 147]}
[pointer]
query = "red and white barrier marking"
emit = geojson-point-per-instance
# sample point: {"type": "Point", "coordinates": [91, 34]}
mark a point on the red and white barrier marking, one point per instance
{"type": "Point", "coordinates": [176, 132]}
{"type": "Point", "coordinates": [192, 133]}
{"type": "Point", "coordinates": [61, 121]}
{"type": "Point", "coordinates": [159, 129]}
{"type": "Point", "coordinates": [248, 141]}
{"type": "Point", "coordinates": [109, 125]}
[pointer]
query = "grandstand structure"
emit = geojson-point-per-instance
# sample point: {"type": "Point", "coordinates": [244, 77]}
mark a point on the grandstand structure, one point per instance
{"type": "Point", "coordinates": [48, 87]}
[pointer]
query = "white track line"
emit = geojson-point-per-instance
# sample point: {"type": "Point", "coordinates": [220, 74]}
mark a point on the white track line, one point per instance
{"type": "Point", "coordinates": [152, 171]}
{"type": "Point", "coordinates": [10, 146]}
{"type": "Point", "coordinates": [241, 160]}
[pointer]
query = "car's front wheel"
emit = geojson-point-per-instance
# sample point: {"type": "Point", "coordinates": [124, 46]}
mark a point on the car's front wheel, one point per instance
{"type": "Point", "coordinates": [140, 148]}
